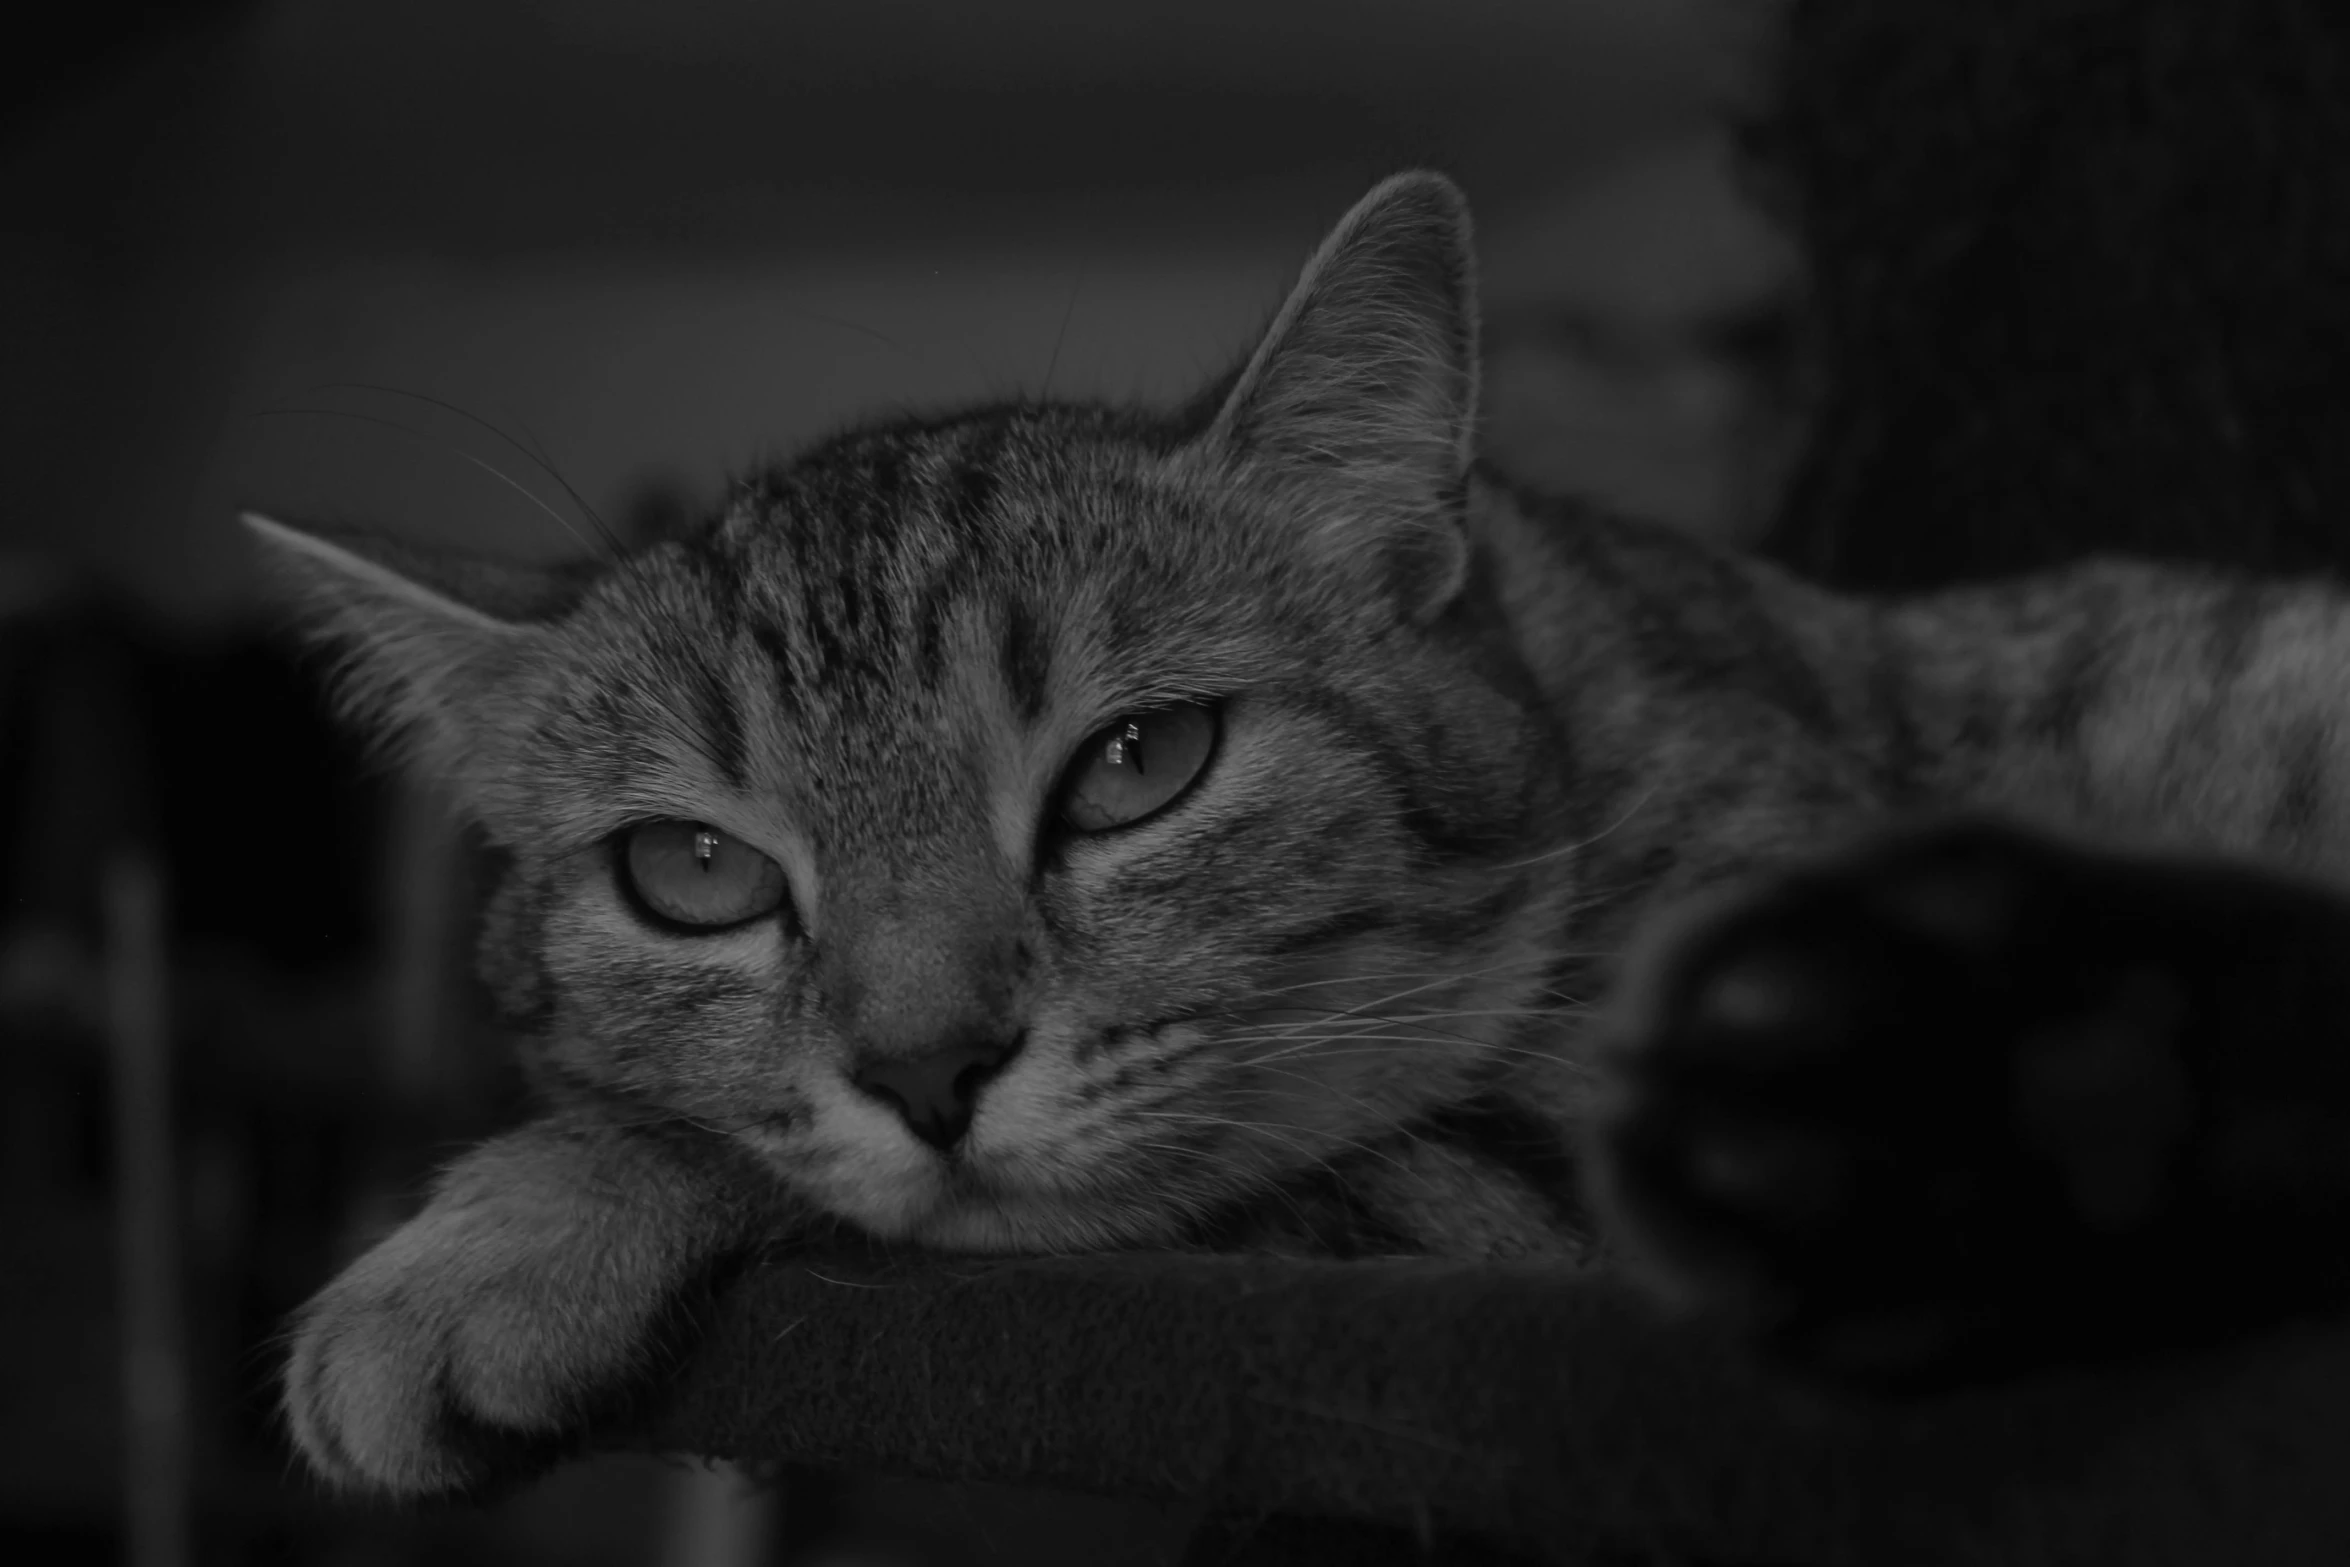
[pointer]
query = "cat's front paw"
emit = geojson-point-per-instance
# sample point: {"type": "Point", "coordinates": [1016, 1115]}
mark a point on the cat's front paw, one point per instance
{"type": "Point", "coordinates": [461, 1349]}
{"type": "Point", "coordinates": [1939, 1110]}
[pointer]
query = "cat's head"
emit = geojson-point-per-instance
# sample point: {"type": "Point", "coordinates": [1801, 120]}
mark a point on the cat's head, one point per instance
{"type": "Point", "coordinates": [1030, 828]}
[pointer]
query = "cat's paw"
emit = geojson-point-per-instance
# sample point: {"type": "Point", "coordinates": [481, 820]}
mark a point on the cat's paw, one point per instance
{"type": "Point", "coordinates": [458, 1351]}
{"type": "Point", "coordinates": [1943, 1109]}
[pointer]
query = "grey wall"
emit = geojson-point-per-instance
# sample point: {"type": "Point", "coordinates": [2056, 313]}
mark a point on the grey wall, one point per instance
{"type": "Point", "coordinates": [663, 239]}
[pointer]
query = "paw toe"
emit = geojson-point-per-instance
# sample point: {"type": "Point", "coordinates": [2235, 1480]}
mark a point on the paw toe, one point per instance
{"type": "Point", "coordinates": [366, 1420]}
{"type": "Point", "coordinates": [1780, 1177]}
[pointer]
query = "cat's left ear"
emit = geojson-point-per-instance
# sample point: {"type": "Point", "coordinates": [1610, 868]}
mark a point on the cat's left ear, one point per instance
{"type": "Point", "coordinates": [438, 656]}
{"type": "Point", "coordinates": [1361, 402]}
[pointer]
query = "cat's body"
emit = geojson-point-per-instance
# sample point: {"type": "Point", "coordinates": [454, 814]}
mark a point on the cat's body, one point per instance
{"type": "Point", "coordinates": [845, 891]}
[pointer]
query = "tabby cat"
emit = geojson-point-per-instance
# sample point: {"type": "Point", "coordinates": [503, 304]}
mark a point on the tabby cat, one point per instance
{"type": "Point", "coordinates": [1056, 827]}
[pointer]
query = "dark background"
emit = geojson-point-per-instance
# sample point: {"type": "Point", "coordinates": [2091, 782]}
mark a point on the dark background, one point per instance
{"type": "Point", "coordinates": [470, 270]}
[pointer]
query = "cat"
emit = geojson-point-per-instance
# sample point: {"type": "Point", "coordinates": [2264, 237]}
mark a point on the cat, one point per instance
{"type": "Point", "coordinates": [1056, 827]}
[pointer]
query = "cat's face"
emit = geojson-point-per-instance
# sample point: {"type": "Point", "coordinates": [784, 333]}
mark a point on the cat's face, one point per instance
{"type": "Point", "coordinates": [1031, 829]}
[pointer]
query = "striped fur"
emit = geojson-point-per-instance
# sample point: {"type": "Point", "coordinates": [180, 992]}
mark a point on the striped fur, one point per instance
{"type": "Point", "coordinates": [1334, 999]}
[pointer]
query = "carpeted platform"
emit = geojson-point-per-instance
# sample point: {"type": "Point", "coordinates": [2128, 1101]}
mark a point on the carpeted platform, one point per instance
{"type": "Point", "coordinates": [1550, 1413]}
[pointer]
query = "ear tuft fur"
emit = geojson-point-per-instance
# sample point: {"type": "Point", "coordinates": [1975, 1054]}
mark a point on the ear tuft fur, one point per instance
{"type": "Point", "coordinates": [420, 668]}
{"type": "Point", "coordinates": [1363, 392]}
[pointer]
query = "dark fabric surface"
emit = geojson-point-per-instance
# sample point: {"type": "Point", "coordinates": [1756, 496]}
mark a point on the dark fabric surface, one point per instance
{"type": "Point", "coordinates": [1526, 1406]}
{"type": "Point", "coordinates": [2079, 273]}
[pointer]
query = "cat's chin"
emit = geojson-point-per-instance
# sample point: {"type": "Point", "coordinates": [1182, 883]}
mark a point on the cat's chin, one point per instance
{"type": "Point", "coordinates": [906, 1194]}
{"type": "Point", "coordinates": [951, 1213]}
{"type": "Point", "coordinates": [961, 1216]}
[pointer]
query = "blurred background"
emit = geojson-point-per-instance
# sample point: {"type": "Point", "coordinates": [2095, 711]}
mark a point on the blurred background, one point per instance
{"type": "Point", "coordinates": [498, 272]}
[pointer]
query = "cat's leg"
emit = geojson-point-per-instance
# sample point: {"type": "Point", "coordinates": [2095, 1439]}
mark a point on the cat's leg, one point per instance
{"type": "Point", "coordinates": [534, 1285]}
{"type": "Point", "coordinates": [1973, 1101]}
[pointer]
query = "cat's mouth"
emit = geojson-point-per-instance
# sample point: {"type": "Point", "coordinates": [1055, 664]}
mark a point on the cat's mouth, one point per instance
{"type": "Point", "coordinates": [1021, 1178]}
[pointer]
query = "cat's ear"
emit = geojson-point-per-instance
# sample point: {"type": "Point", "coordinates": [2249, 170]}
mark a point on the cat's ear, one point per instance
{"type": "Point", "coordinates": [1363, 393]}
{"type": "Point", "coordinates": [435, 652]}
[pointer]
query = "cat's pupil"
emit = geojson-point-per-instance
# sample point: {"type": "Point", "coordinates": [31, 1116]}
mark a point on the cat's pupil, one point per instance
{"type": "Point", "coordinates": [697, 876]}
{"type": "Point", "coordinates": [1137, 765]}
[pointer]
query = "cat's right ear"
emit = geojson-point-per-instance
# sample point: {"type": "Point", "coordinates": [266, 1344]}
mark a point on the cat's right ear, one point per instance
{"type": "Point", "coordinates": [1361, 401]}
{"type": "Point", "coordinates": [433, 654]}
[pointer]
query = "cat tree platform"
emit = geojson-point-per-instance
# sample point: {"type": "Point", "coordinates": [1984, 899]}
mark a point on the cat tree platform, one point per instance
{"type": "Point", "coordinates": [1504, 1414]}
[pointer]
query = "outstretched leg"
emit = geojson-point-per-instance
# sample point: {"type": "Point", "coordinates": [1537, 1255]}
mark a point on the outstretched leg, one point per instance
{"type": "Point", "coordinates": [533, 1288]}
{"type": "Point", "coordinates": [1974, 1100]}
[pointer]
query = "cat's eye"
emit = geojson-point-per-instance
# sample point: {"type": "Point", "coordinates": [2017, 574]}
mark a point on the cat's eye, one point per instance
{"type": "Point", "coordinates": [1137, 766]}
{"type": "Point", "coordinates": [696, 875]}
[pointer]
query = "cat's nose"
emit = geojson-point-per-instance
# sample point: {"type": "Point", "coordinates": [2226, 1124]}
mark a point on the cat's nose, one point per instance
{"type": "Point", "coordinates": [935, 1092]}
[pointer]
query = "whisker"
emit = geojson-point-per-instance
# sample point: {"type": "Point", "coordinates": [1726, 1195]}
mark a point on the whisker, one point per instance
{"type": "Point", "coordinates": [1617, 825]}
{"type": "Point", "coordinates": [1534, 961]}
{"type": "Point", "coordinates": [1347, 1024]}
{"type": "Point", "coordinates": [1068, 311]}
{"type": "Point", "coordinates": [859, 327]}
{"type": "Point", "coordinates": [1281, 1128]}
{"type": "Point", "coordinates": [538, 456]}
{"type": "Point", "coordinates": [1547, 961]}
{"type": "Point", "coordinates": [490, 468]}
{"type": "Point", "coordinates": [1567, 1009]}
{"type": "Point", "coordinates": [1561, 1005]}
{"type": "Point", "coordinates": [1383, 1045]}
